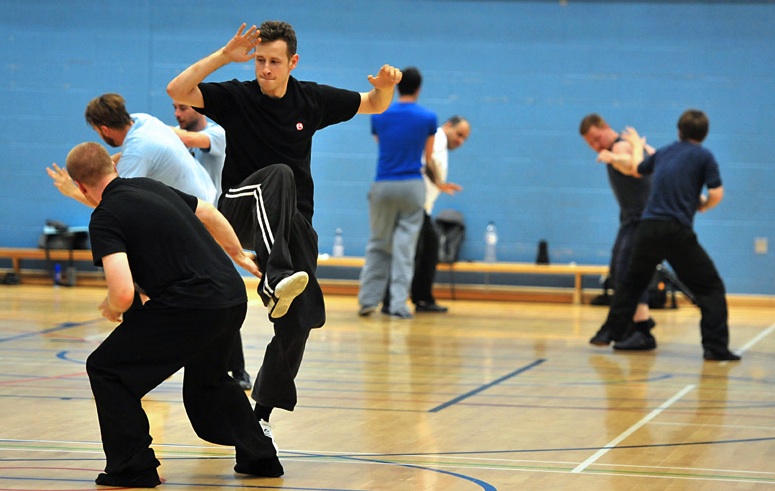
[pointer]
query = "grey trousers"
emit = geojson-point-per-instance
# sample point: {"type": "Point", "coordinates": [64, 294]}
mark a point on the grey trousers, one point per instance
{"type": "Point", "coordinates": [395, 218]}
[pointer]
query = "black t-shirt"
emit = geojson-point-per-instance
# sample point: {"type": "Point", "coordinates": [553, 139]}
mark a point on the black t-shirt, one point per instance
{"type": "Point", "coordinates": [261, 130]}
{"type": "Point", "coordinates": [172, 256]}
{"type": "Point", "coordinates": [632, 193]}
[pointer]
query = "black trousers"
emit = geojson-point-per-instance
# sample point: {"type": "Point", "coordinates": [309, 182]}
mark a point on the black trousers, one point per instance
{"type": "Point", "coordinates": [621, 254]}
{"type": "Point", "coordinates": [426, 259]}
{"type": "Point", "coordinates": [659, 240]}
{"type": "Point", "coordinates": [262, 211]}
{"type": "Point", "coordinates": [152, 343]}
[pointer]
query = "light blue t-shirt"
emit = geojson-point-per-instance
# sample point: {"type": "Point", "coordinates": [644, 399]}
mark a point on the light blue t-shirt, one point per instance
{"type": "Point", "coordinates": [212, 159]}
{"type": "Point", "coordinates": [152, 149]}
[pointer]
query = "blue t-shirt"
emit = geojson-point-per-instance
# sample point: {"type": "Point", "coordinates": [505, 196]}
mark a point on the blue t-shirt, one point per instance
{"type": "Point", "coordinates": [681, 170]}
{"type": "Point", "coordinates": [402, 130]}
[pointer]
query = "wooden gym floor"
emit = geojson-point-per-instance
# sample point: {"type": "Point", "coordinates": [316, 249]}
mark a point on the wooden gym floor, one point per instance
{"type": "Point", "coordinates": [491, 396]}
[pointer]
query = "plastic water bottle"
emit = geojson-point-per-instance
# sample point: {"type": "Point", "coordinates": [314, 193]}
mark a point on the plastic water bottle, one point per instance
{"type": "Point", "coordinates": [57, 274]}
{"type": "Point", "coordinates": [338, 244]}
{"type": "Point", "coordinates": [490, 243]}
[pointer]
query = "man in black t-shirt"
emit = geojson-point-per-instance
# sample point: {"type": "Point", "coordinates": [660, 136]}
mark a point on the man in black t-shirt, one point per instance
{"type": "Point", "coordinates": [631, 194]}
{"type": "Point", "coordinates": [267, 183]}
{"type": "Point", "coordinates": [180, 303]}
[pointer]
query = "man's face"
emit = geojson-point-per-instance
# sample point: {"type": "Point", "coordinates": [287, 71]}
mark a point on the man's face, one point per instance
{"type": "Point", "coordinates": [457, 134]}
{"type": "Point", "coordinates": [104, 133]}
{"type": "Point", "coordinates": [600, 139]}
{"type": "Point", "coordinates": [187, 117]}
{"type": "Point", "coordinates": [273, 67]}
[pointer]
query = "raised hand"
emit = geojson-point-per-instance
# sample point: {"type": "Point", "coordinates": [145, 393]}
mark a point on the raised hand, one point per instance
{"type": "Point", "coordinates": [240, 47]}
{"type": "Point", "coordinates": [387, 77]}
{"type": "Point", "coordinates": [62, 181]}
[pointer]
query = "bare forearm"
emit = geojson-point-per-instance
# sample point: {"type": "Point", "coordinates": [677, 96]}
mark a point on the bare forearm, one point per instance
{"type": "Point", "coordinates": [193, 139]}
{"type": "Point", "coordinates": [183, 88]}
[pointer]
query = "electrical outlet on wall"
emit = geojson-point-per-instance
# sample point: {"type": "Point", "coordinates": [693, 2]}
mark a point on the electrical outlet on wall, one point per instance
{"type": "Point", "coordinates": [760, 245]}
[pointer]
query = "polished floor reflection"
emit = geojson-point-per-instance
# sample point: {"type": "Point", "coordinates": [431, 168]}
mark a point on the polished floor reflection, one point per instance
{"type": "Point", "coordinates": [490, 396]}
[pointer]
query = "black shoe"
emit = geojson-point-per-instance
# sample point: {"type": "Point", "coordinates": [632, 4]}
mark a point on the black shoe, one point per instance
{"type": "Point", "coordinates": [147, 479]}
{"type": "Point", "coordinates": [604, 299]}
{"type": "Point", "coordinates": [637, 341]}
{"type": "Point", "coordinates": [602, 337]}
{"type": "Point", "coordinates": [270, 467]}
{"type": "Point", "coordinates": [429, 307]}
{"type": "Point", "coordinates": [242, 378]}
{"type": "Point", "coordinates": [719, 355]}
{"type": "Point", "coordinates": [385, 310]}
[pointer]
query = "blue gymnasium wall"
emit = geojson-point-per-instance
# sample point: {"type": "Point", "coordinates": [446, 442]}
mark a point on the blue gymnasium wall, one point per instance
{"type": "Point", "coordinates": [524, 73]}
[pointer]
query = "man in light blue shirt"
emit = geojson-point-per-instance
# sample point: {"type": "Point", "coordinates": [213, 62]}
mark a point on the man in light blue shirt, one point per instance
{"type": "Point", "coordinates": [205, 140]}
{"type": "Point", "coordinates": [148, 148]}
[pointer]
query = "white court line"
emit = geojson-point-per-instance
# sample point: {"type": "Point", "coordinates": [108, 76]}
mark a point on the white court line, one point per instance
{"type": "Point", "coordinates": [632, 429]}
{"type": "Point", "coordinates": [757, 338]}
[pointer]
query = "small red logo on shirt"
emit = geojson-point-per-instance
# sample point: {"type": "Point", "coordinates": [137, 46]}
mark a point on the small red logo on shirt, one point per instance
{"type": "Point", "coordinates": [299, 126]}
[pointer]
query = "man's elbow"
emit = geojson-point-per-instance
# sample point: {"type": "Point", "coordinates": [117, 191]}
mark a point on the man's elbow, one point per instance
{"type": "Point", "coordinates": [122, 300]}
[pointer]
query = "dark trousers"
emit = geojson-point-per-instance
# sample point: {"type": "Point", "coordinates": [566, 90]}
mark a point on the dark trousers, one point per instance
{"type": "Point", "coordinates": [426, 259]}
{"type": "Point", "coordinates": [151, 344]}
{"type": "Point", "coordinates": [621, 254]}
{"type": "Point", "coordinates": [656, 241]}
{"type": "Point", "coordinates": [262, 210]}
{"type": "Point", "coordinates": [237, 360]}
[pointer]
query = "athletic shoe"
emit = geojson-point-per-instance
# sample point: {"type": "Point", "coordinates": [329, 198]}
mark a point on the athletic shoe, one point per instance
{"type": "Point", "coordinates": [720, 355]}
{"type": "Point", "coordinates": [270, 467]}
{"type": "Point", "coordinates": [286, 290]}
{"type": "Point", "coordinates": [602, 337]}
{"type": "Point", "coordinates": [242, 378]}
{"type": "Point", "coordinates": [401, 314]}
{"type": "Point", "coordinates": [367, 310]}
{"type": "Point", "coordinates": [430, 307]}
{"type": "Point", "coordinates": [638, 341]}
{"type": "Point", "coordinates": [267, 429]}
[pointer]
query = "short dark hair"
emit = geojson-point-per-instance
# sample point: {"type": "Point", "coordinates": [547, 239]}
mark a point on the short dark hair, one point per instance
{"type": "Point", "coordinates": [693, 125]}
{"type": "Point", "coordinates": [108, 110]}
{"type": "Point", "coordinates": [275, 30]}
{"type": "Point", "coordinates": [591, 120]}
{"type": "Point", "coordinates": [411, 80]}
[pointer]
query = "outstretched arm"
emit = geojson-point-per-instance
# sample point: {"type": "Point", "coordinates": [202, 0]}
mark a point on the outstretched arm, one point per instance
{"type": "Point", "coordinates": [626, 155]}
{"type": "Point", "coordinates": [379, 98]}
{"type": "Point", "coordinates": [184, 88]}
{"type": "Point", "coordinates": [221, 230]}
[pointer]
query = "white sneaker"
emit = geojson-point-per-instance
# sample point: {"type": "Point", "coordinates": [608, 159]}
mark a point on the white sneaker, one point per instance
{"type": "Point", "coordinates": [286, 290]}
{"type": "Point", "coordinates": [267, 429]}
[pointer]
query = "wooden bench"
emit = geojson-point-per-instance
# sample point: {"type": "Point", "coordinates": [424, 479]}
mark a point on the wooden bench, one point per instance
{"type": "Point", "coordinates": [17, 255]}
{"type": "Point", "coordinates": [577, 271]}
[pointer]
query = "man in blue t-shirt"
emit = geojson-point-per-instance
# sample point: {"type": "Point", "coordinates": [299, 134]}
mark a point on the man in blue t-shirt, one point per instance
{"type": "Point", "coordinates": [680, 172]}
{"type": "Point", "coordinates": [404, 133]}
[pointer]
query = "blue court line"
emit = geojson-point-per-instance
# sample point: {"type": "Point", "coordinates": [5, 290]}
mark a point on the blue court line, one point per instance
{"type": "Point", "coordinates": [486, 386]}
{"type": "Point", "coordinates": [60, 327]}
